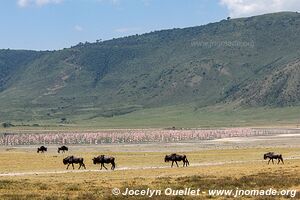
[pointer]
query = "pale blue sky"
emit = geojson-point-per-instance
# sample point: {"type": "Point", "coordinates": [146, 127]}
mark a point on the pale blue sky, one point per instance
{"type": "Point", "coordinates": [55, 24]}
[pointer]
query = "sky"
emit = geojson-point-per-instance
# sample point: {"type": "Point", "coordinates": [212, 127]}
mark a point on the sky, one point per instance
{"type": "Point", "coordinates": [57, 24]}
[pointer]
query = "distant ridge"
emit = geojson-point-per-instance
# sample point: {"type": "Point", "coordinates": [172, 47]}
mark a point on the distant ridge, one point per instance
{"type": "Point", "coordinates": [249, 62]}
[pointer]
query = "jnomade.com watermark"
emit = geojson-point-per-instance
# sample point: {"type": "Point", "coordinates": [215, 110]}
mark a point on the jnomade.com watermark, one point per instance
{"type": "Point", "coordinates": [253, 192]}
{"type": "Point", "coordinates": [149, 192]}
{"type": "Point", "coordinates": [218, 44]}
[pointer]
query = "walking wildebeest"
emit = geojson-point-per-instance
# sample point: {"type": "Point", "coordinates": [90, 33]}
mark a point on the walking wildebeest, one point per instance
{"type": "Point", "coordinates": [175, 157]}
{"type": "Point", "coordinates": [71, 160]}
{"type": "Point", "coordinates": [104, 159]}
{"type": "Point", "coordinates": [42, 149]}
{"type": "Point", "coordinates": [272, 155]}
{"type": "Point", "coordinates": [63, 149]}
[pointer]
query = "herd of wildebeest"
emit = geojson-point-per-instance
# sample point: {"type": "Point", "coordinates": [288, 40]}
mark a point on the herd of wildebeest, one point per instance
{"type": "Point", "coordinates": [102, 159]}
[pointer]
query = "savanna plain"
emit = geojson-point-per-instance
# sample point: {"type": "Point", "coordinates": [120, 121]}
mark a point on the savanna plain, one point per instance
{"type": "Point", "coordinates": [227, 163]}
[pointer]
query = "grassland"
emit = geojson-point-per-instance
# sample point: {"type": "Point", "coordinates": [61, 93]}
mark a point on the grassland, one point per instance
{"type": "Point", "coordinates": [141, 167]}
{"type": "Point", "coordinates": [181, 116]}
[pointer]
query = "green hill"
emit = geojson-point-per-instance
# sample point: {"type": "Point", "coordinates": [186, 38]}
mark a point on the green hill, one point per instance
{"type": "Point", "coordinates": [237, 64]}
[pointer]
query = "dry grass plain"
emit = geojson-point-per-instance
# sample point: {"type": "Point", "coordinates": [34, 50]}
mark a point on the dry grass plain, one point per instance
{"type": "Point", "coordinates": [225, 164]}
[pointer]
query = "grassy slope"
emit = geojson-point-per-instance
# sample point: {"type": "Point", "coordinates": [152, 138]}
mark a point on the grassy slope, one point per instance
{"type": "Point", "coordinates": [151, 76]}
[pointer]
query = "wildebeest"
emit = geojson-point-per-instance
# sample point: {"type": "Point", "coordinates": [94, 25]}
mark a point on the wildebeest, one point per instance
{"type": "Point", "coordinates": [175, 157]}
{"type": "Point", "coordinates": [63, 149]}
{"type": "Point", "coordinates": [104, 159]}
{"type": "Point", "coordinates": [272, 155]}
{"type": "Point", "coordinates": [71, 160]}
{"type": "Point", "coordinates": [41, 149]}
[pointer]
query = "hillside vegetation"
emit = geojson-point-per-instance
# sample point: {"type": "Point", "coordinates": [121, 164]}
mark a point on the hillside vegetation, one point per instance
{"type": "Point", "coordinates": [247, 63]}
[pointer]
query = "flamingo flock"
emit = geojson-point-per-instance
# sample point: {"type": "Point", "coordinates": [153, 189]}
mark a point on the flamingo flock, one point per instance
{"type": "Point", "coordinates": [130, 136]}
